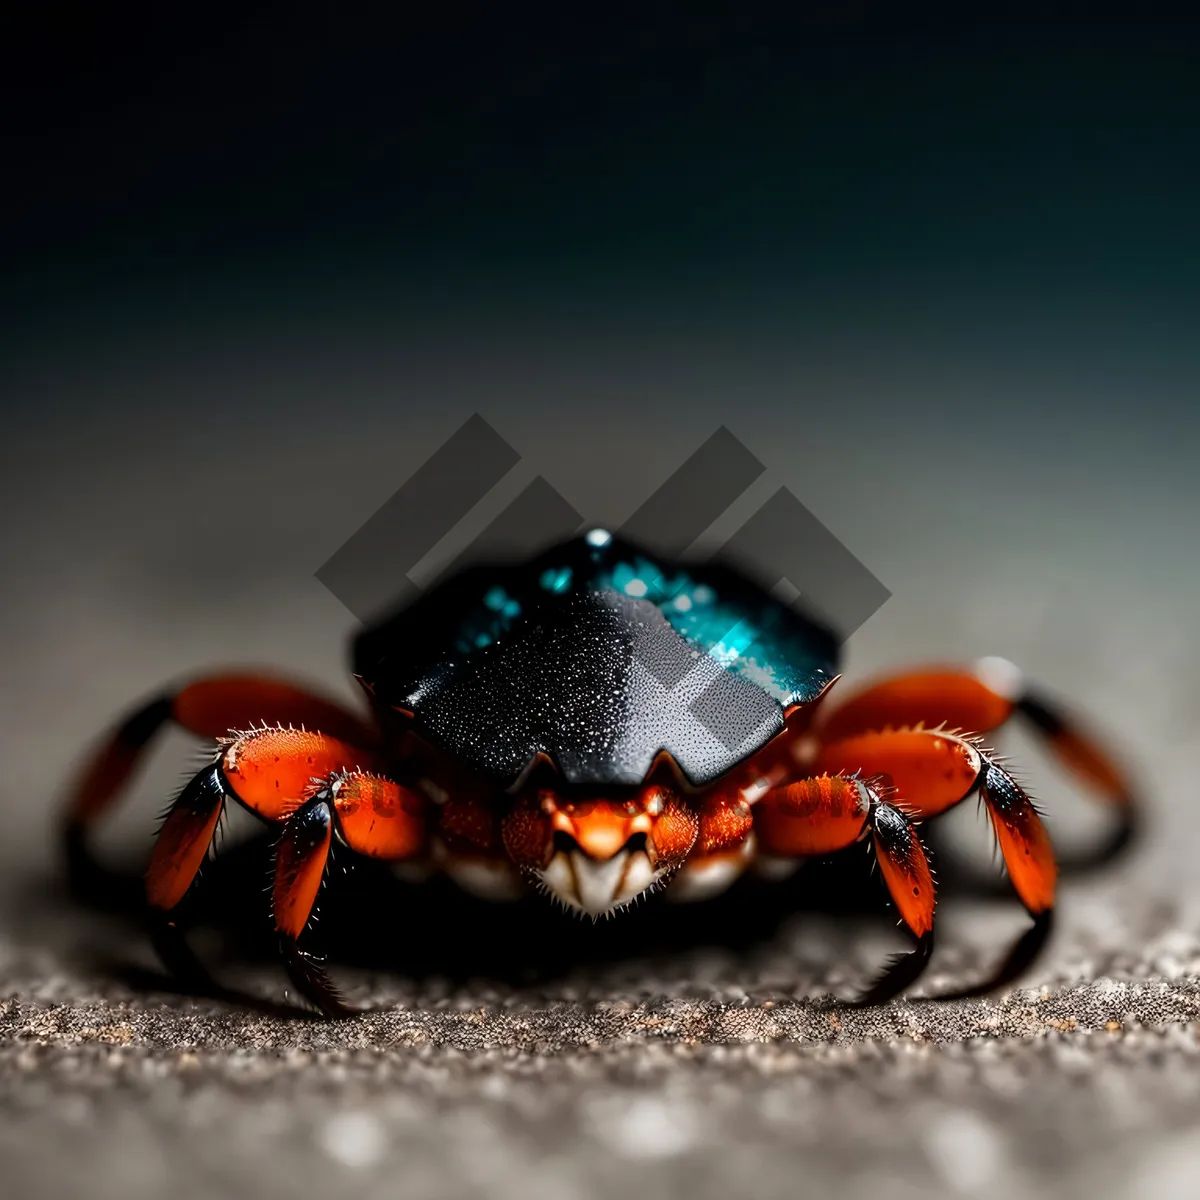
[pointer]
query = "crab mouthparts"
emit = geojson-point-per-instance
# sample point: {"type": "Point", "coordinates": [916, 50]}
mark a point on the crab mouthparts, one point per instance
{"type": "Point", "coordinates": [598, 886]}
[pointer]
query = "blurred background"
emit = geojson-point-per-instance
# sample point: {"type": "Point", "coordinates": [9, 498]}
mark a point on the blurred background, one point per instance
{"type": "Point", "coordinates": [939, 272]}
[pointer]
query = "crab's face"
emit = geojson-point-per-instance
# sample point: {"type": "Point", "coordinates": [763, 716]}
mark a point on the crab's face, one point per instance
{"type": "Point", "coordinates": [599, 854]}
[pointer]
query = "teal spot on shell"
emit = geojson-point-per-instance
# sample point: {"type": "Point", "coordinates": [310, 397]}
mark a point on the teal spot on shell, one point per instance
{"type": "Point", "coordinates": [556, 579]}
{"type": "Point", "coordinates": [490, 621]}
{"type": "Point", "coordinates": [758, 647]}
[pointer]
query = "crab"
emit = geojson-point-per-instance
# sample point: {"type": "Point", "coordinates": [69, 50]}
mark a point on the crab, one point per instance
{"type": "Point", "coordinates": [598, 723]}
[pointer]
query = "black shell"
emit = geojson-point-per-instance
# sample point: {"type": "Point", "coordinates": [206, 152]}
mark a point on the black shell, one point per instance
{"type": "Point", "coordinates": [599, 655]}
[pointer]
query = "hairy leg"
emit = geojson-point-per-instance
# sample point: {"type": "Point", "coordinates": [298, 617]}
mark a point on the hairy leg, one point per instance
{"type": "Point", "coordinates": [208, 707]}
{"type": "Point", "coordinates": [932, 770]}
{"type": "Point", "coordinates": [829, 812]}
{"type": "Point", "coordinates": [983, 698]}
{"type": "Point", "coordinates": [270, 771]}
{"type": "Point", "coordinates": [372, 815]}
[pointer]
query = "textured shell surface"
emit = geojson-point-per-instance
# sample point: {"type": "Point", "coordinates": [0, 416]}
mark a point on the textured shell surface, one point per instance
{"type": "Point", "coordinates": [600, 655]}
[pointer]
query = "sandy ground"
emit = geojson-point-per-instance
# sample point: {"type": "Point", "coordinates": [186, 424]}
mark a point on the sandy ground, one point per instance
{"type": "Point", "coordinates": [707, 1072]}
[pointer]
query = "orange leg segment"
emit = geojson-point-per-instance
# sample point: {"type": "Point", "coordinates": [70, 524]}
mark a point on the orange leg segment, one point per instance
{"type": "Point", "coordinates": [374, 816]}
{"type": "Point", "coordinates": [184, 840]}
{"type": "Point", "coordinates": [378, 817]}
{"type": "Point", "coordinates": [905, 868]}
{"type": "Point", "coordinates": [1029, 859]}
{"type": "Point", "coordinates": [209, 707]}
{"type": "Point", "coordinates": [812, 816]}
{"type": "Point", "coordinates": [300, 860]}
{"type": "Point", "coordinates": [981, 699]}
{"type": "Point", "coordinates": [1023, 839]}
{"type": "Point", "coordinates": [271, 771]}
{"type": "Point", "coordinates": [909, 880]}
{"type": "Point", "coordinates": [930, 770]}
{"type": "Point", "coordinates": [962, 699]}
{"type": "Point", "coordinates": [830, 812]}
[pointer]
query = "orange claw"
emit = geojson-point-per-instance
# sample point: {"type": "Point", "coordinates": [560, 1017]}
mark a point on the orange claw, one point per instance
{"type": "Point", "coordinates": [378, 817]}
